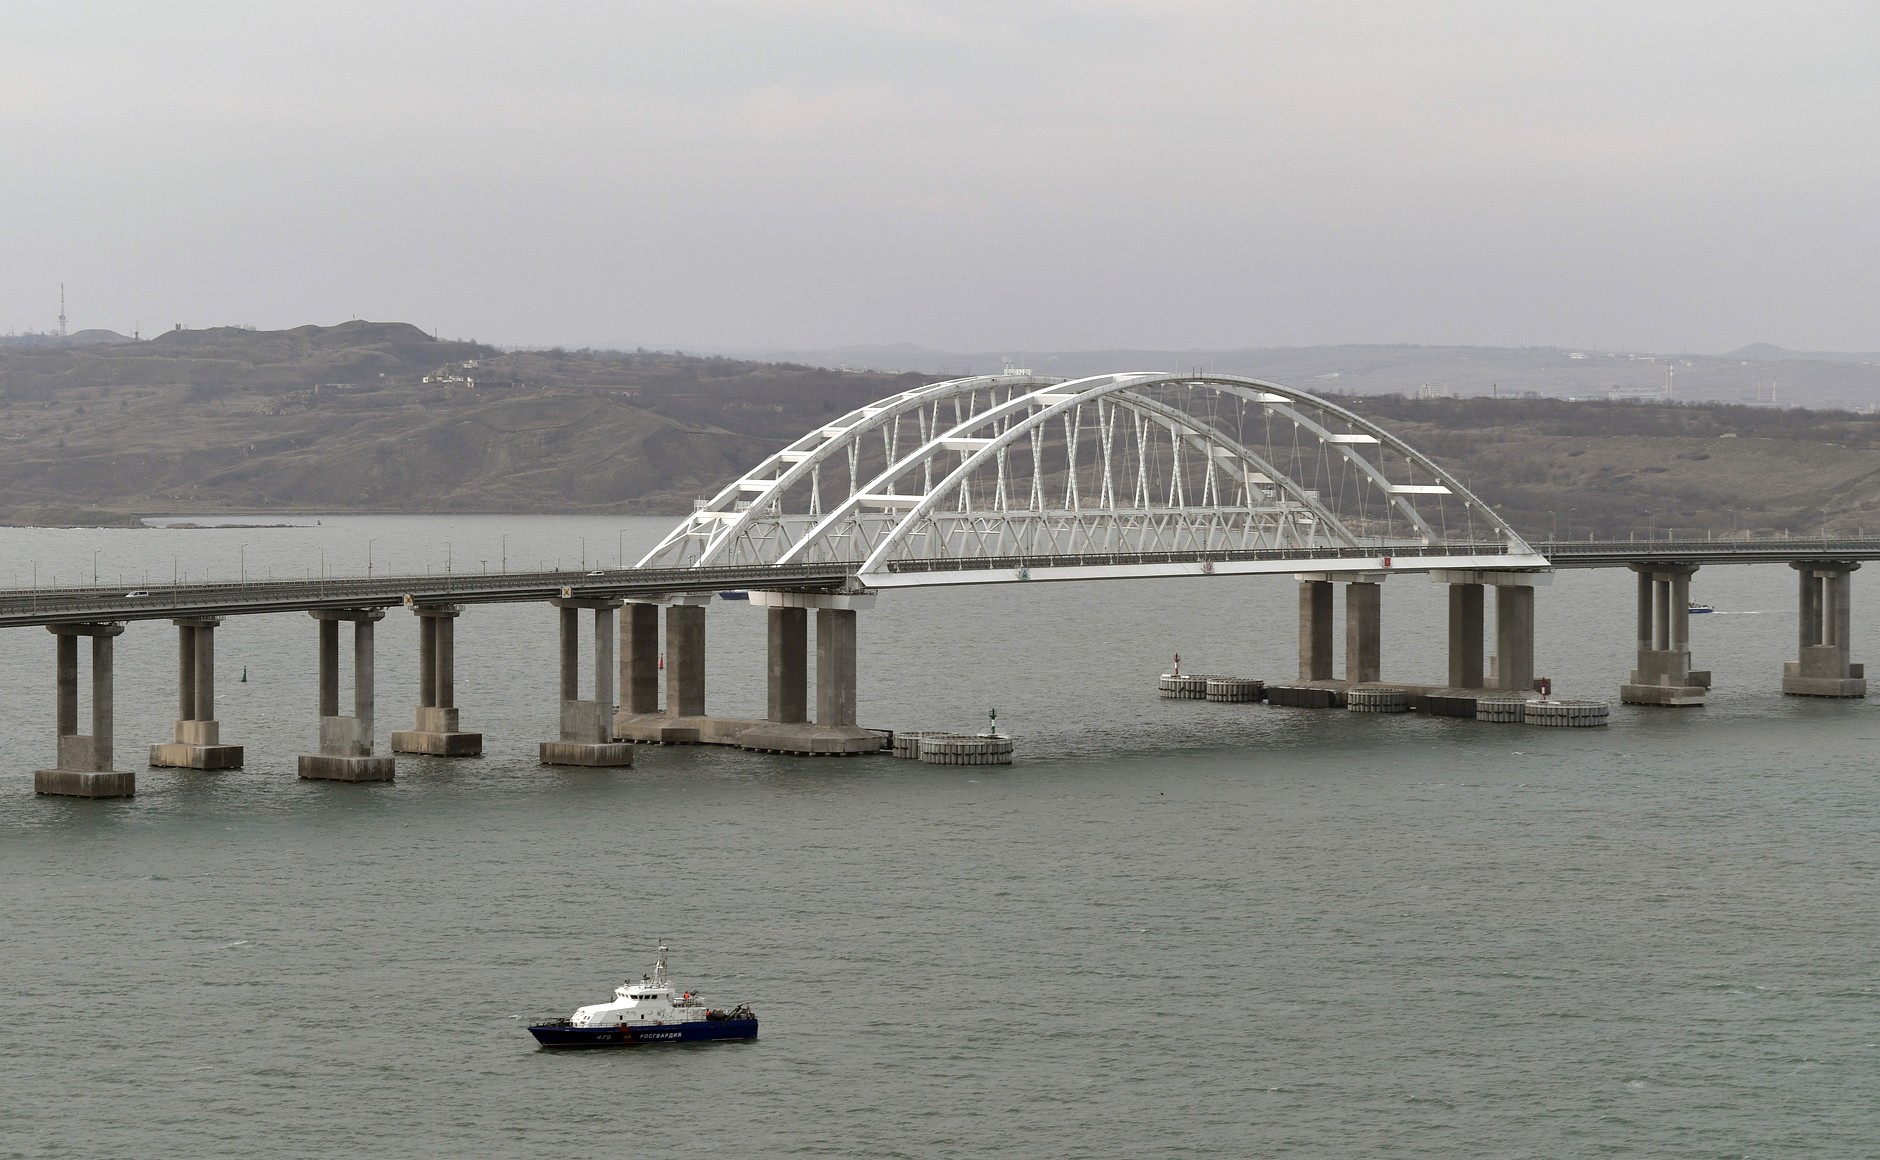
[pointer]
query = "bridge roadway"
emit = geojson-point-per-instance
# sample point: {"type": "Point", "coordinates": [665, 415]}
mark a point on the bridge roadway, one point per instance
{"type": "Point", "coordinates": [1622, 553]}
{"type": "Point", "coordinates": [83, 605]}
{"type": "Point", "coordinates": [90, 604]}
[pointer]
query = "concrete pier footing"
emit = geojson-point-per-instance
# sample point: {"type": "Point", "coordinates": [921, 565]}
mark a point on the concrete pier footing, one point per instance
{"type": "Point", "coordinates": [1824, 623]}
{"type": "Point", "coordinates": [196, 740]}
{"type": "Point", "coordinates": [587, 725]}
{"type": "Point", "coordinates": [346, 742]}
{"type": "Point", "coordinates": [438, 729]}
{"type": "Point", "coordinates": [1663, 675]}
{"type": "Point", "coordinates": [83, 767]}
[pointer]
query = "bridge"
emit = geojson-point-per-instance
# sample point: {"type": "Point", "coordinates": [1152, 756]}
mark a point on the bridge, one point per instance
{"type": "Point", "coordinates": [1012, 478]}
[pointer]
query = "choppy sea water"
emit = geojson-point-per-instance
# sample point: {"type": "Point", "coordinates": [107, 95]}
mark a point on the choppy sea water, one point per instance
{"type": "Point", "coordinates": [1173, 928]}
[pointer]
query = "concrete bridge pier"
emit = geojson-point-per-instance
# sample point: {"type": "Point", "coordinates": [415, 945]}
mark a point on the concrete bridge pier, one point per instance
{"type": "Point", "coordinates": [1512, 666]}
{"type": "Point", "coordinates": [787, 727]}
{"type": "Point", "coordinates": [683, 720]}
{"type": "Point", "coordinates": [346, 742]}
{"type": "Point", "coordinates": [1363, 625]}
{"type": "Point", "coordinates": [1364, 628]}
{"type": "Point", "coordinates": [1664, 675]}
{"type": "Point", "coordinates": [587, 726]}
{"type": "Point", "coordinates": [196, 739]}
{"type": "Point", "coordinates": [1316, 605]}
{"type": "Point", "coordinates": [1824, 633]}
{"type": "Point", "coordinates": [438, 731]}
{"type": "Point", "coordinates": [84, 762]}
{"type": "Point", "coordinates": [1466, 669]}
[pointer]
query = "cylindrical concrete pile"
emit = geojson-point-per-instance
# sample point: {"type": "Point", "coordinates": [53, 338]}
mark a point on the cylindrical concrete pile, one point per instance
{"type": "Point", "coordinates": [1501, 710]}
{"type": "Point", "coordinates": [958, 749]}
{"type": "Point", "coordinates": [1235, 689]}
{"type": "Point", "coordinates": [1378, 700]}
{"type": "Point", "coordinates": [907, 745]}
{"type": "Point", "coordinates": [1186, 687]}
{"type": "Point", "coordinates": [1568, 714]}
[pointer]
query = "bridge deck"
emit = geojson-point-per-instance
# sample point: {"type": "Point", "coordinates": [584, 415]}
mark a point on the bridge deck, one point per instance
{"type": "Point", "coordinates": [81, 605]}
{"type": "Point", "coordinates": [1619, 553]}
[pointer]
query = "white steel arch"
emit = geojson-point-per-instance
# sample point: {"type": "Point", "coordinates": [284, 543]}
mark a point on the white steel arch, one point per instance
{"type": "Point", "coordinates": [1148, 473]}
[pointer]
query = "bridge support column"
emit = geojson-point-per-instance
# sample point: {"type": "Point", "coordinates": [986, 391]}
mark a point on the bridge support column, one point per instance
{"type": "Point", "coordinates": [346, 742]}
{"type": "Point", "coordinates": [1514, 637]}
{"type": "Point", "coordinates": [84, 768]}
{"type": "Point", "coordinates": [639, 659]}
{"type": "Point", "coordinates": [1664, 675]}
{"type": "Point", "coordinates": [1315, 628]}
{"type": "Point", "coordinates": [196, 738]}
{"type": "Point", "coordinates": [1512, 667]}
{"type": "Point", "coordinates": [1824, 638]}
{"type": "Point", "coordinates": [587, 726]}
{"type": "Point", "coordinates": [683, 722]}
{"type": "Point", "coordinates": [788, 702]}
{"type": "Point", "coordinates": [1364, 631]}
{"type": "Point", "coordinates": [685, 660]}
{"type": "Point", "coordinates": [789, 729]}
{"type": "Point", "coordinates": [1465, 636]}
{"type": "Point", "coordinates": [835, 667]}
{"type": "Point", "coordinates": [438, 730]}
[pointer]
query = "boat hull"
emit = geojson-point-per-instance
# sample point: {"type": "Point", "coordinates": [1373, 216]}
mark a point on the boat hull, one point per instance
{"type": "Point", "coordinates": [621, 1036]}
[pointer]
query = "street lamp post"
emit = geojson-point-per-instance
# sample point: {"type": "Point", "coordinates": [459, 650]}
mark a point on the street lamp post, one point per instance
{"type": "Point", "coordinates": [369, 543]}
{"type": "Point", "coordinates": [242, 551]}
{"type": "Point", "coordinates": [1553, 525]}
{"type": "Point", "coordinates": [583, 540]}
{"type": "Point", "coordinates": [94, 566]}
{"type": "Point", "coordinates": [620, 548]}
{"type": "Point", "coordinates": [505, 553]}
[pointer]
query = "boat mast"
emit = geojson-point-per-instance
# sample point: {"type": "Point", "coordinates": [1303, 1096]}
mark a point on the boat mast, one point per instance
{"type": "Point", "coordinates": [659, 966]}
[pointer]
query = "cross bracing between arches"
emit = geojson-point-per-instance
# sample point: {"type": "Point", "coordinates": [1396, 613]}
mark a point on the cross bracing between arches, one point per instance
{"type": "Point", "coordinates": [1015, 477]}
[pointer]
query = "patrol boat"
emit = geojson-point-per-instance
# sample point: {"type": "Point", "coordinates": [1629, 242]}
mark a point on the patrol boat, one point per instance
{"type": "Point", "coordinates": [646, 1012]}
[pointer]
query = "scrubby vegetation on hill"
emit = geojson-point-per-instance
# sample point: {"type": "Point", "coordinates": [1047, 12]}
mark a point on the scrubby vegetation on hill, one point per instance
{"type": "Point", "coordinates": [1626, 469]}
{"type": "Point", "coordinates": [383, 417]}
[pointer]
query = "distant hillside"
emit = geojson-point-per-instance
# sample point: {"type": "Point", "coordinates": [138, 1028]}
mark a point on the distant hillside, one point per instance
{"type": "Point", "coordinates": [370, 416]}
{"type": "Point", "coordinates": [1621, 469]}
{"type": "Point", "coordinates": [1759, 374]}
{"type": "Point", "coordinates": [382, 417]}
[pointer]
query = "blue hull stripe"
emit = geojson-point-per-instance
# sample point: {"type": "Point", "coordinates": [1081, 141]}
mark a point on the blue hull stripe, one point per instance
{"type": "Point", "coordinates": [704, 1029]}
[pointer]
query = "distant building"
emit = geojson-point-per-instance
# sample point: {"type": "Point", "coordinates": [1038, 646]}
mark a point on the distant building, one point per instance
{"type": "Point", "coordinates": [1433, 391]}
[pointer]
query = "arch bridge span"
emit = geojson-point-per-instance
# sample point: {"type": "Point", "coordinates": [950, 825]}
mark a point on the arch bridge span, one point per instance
{"type": "Point", "coordinates": [1015, 477]}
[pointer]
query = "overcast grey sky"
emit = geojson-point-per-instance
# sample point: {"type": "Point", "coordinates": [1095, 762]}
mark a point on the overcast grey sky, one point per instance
{"type": "Point", "coordinates": [967, 175]}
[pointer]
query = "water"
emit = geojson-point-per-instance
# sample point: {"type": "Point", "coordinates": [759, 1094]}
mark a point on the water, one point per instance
{"type": "Point", "coordinates": [1174, 928]}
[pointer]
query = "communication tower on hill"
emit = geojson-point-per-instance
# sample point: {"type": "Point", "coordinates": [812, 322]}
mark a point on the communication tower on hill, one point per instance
{"type": "Point", "coordinates": [61, 310]}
